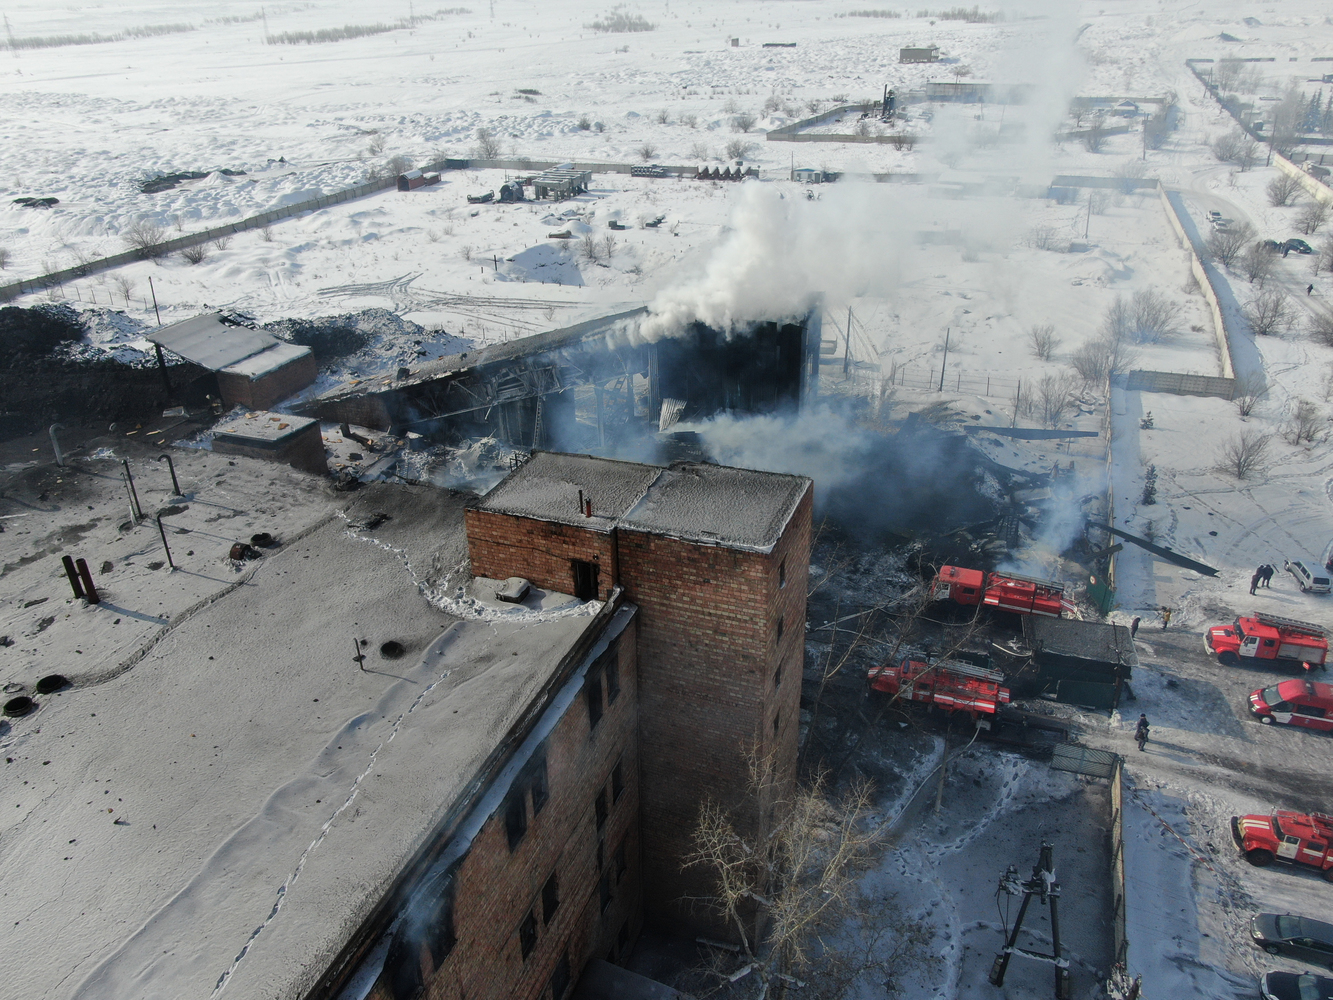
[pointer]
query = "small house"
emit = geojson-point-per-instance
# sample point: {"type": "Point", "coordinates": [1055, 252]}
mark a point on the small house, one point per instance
{"type": "Point", "coordinates": [414, 179]}
{"type": "Point", "coordinates": [928, 54]}
{"type": "Point", "coordinates": [807, 175]}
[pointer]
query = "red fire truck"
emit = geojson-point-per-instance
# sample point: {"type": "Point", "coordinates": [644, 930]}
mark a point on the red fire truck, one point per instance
{"type": "Point", "coordinates": [953, 686]}
{"type": "Point", "coordinates": [1295, 838]}
{"type": "Point", "coordinates": [1024, 595]}
{"type": "Point", "coordinates": [1268, 637]}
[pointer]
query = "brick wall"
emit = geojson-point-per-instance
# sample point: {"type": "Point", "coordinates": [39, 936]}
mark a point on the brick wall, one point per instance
{"type": "Point", "coordinates": [495, 888]}
{"type": "Point", "coordinates": [501, 546]}
{"type": "Point", "coordinates": [272, 387]}
{"type": "Point", "coordinates": [709, 653]}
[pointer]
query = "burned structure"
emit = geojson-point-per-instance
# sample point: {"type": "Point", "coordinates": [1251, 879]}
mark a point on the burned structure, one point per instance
{"type": "Point", "coordinates": [533, 392]}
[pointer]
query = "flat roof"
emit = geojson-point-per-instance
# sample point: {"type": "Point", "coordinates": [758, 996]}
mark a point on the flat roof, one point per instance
{"type": "Point", "coordinates": [267, 361]}
{"type": "Point", "coordinates": [696, 501]}
{"type": "Point", "coordinates": [1100, 641]}
{"type": "Point", "coordinates": [263, 426]}
{"type": "Point", "coordinates": [211, 343]}
{"type": "Point", "coordinates": [231, 807]}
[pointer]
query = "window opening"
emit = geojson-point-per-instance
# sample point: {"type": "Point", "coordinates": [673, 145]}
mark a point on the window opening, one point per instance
{"type": "Point", "coordinates": [621, 863]}
{"type": "Point", "coordinates": [601, 808]}
{"type": "Point", "coordinates": [541, 790]}
{"type": "Point", "coordinates": [527, 934]}
{"type": "Point", "coordinates": [550, 898]}
{"type": "Point", "coordinates": [782, 574]}
{"type": "Point", "coordinates": [780, 624]}
{"type": "Point", "coordinates": [585, 579]}
{"type": "Point", "coordinates": [777, 677]}
{"type": "Point", "coordinates": [516, 816]}
{"type": "Point", "coordinates": [612, 677]}
{"type": "Point", "coordinates": [617, 781]}
{"type": "Point", "coordinates": [592, 690]}
{"type": "Point", "coordinates": [604, 887]}
{"type": "Point", "coordinates": [776, 719]}
{"type": "Point", "coordinates": [560, 978]}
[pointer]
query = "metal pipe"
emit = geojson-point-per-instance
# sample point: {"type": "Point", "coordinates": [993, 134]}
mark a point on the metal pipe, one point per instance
{"type": "Point", "coordinates": [73, 574]}
{"type": "Point", "coordinates": [167, 548]}
{"type": "Point", "coordinates": [580, 501]}
{"type": "Point", "coordinates": [136, 510]}
{"type": "Point", "coordinates": [360, 657]}
{"type": "Point", "coordinates": [55, 444]}
{"type": "Point", "coordinates": [89, 591]}
{"type": "Point", "coordinates": [175, 485]}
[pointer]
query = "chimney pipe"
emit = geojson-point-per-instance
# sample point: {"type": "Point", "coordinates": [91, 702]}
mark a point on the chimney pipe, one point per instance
{"type": "Point", "coordinates": [73, 575]}
{"type": "Point", "coordinates": [580, 501]}
{"type": "Point", "coordinates": [587, 508]}
{"type": "Point", "coordinates": [89, 591]}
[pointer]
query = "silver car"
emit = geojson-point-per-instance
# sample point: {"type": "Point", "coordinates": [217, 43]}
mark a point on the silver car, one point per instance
{"type": "Point", "coordinates": [1310, 580]}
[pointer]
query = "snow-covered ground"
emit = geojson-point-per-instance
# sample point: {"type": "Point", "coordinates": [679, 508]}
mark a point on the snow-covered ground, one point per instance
{"type": "Point", "coordinates": [85, 123]}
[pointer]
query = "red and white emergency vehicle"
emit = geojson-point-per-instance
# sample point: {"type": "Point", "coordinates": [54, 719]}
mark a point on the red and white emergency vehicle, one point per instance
{"type": "Point", "coordinates": [1268, 637]}
{"type": "Point", "coordinates": [1297, 702]}
{"type": "Point", "coordinates": [1023, 595]}
{"type": "Point", "coordinates": [953, 686]}
{"type": "Point", "coordinates": [1291, 837]}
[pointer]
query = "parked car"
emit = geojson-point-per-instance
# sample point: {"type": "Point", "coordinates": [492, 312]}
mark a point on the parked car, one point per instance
{"type": "Point", "coordinates": [1300, 937]}
{"type": "Point", "coordinates": [1295, 986]}
{"type": "Point", "coordinates": [1222, 224]}
{"type": "Point", "coordinates": [1300, 246]}
{"type": "Point", "coordinates": [1295, 702]}
{"type": "Point", "coordinates": [1309, 580]}
{"type": "Point", "coordinates": [1214, 215]}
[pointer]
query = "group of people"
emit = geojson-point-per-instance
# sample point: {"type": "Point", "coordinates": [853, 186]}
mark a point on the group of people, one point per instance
{"type": "Point", "coordinates": [1262, 577]}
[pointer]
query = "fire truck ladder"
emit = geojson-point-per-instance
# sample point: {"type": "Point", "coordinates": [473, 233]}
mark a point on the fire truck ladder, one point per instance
{"type": "Point", "coordinates": [1291, 625]}
{"type": "Point", "coordinates": [1042, 884]}
{"type": "Point", "coordinates": [1051, 584]}
{"type": "Point", "coordinates": [966, 670]}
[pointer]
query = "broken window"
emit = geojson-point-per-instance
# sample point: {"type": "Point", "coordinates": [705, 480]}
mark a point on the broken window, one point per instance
{"type": "Point", "coordinates": [782, 574]}
{"type": "Point", "coordinates": [560, 978]}
{"type": "Point", "coordinates": [550, 898]}
{"type": "Point", "coordinates": [617, 781]}
{"type": "Point", "coordinates": [535, 778]}
{"type": "Point", "coordinates": [612, 676]}
{"type": "Point", "coordinates": [585, 579]}
{"type": "Point", "coordinates": [601, 808]}
{"type": "Point", "coordinates": [516, 815]}
{"type": "Point", "coordinates": [527, 934]}
{"type": "Point", "coordinates": [780, 623]}
{"type": "Point", "coordinates": [776, 719]}
{"type": "Point", "coordinates": [592, 691]}
{"type": "Point", "coordinates": [432, 934]}
{"type": "Point", "coordinates": [777, 677]}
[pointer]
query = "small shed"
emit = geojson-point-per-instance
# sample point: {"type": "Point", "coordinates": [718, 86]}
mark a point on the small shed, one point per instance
{"type": "Point", "coordinates": [808, 175]}
{"type": "Point", "coordinates": [1080, 662]}
{"type": "Point", "coordinates": [414, 179]}
{"type": "Point", "coordinates": [274, 437]}
{"type": "Point", "coordinates": [561, 182]}
{"type": "Point", "coordinates": [927, 54]}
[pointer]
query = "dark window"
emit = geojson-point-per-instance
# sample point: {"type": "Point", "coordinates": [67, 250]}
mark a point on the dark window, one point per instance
{"type": "Point", "coordinates": [617, 781]}
{"type": "Point", "coordinates": [621, 864]}
{"type": "Point", "coordinates": [560, 978]}
{"type": "Point", "coordinates": [782, 574]}
{"type": "Point", "coordinates": [601, 808]}
{"type": "Point", "coordinates": [585, 579]}
{"type": "Point", "coordinates": [777, 677]}
{"type": "Point", "coordinates": [601, 853]}
{"type": "Point", "coordinates": [612, 677]}
{"type": "Point", "coordinates": [780, 622]}
{"type": "Point", "coordinates": [604, 888]}
{"type": "Point", "coordinates": [776, 719]}
{"type": "Point", "coordinates": [434, 933]}
{"type": "Point", "coordinates": [592, 691]}
{"type": "Point", "coordinates": [527, 934]}
{"type": "Point", "coordinates": [536, 780]}
{"type": "Point", "coordinates": [622, 939]}
{"type": "Point", "coordinates": [550, 898]}
{"type": "Point", "coordinates": [1310, 710]}
{"type": "Point", "coordinates": [516, 815]}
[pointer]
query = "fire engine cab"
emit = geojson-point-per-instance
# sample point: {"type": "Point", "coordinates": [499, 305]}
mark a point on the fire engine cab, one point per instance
{"type": "Point", "coordinates": [953, 686]}
{"type": "Point", "coordinates": [1294, 838]}
{"type": "Point", "coordinates": [1024, 595]}
{"type": "Point", "coordinates": [1295, 702]}
{"type": "Point", "coordinates": [1268, 637]}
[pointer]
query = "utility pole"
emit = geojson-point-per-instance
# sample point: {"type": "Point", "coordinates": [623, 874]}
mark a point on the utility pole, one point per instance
{"type": "Point", "coordinates": [946, 356]}
{"type": "Point", "coordinates": [9, 33]}
{"type": "Point", "coordinates": [1087, 227]}
{"type": "Point", "coordinates": [263, 14]}
{"type": "Point", "coordinates": [847, 345]}
{"type": "Point", "coordinates": [1042, 884]}
{"type": "Point", "coordinates": [154, 291]}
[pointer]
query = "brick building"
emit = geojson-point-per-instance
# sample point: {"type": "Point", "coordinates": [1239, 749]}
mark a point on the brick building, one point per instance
{"type": "Point", "coordinates": [716, 561]}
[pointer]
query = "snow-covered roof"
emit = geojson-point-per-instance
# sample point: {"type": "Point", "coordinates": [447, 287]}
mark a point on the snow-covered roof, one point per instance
{"type": "Point", "coordinates": [267, 361]}
{"type": "Point", "coordinates": [211, 343]}
{"type": "Point", "coordinates": [261, 426]}
{"type": "Point", "coordinates": [228, 810]}
{"type": "Point", "coordinates": [713, 504]}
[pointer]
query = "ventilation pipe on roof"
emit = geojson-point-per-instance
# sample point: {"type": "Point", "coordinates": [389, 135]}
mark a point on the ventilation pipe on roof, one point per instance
{"type": "Point", "coordinates": [587, 508]}
{"type": "Point", "coordinates": [580, 501]}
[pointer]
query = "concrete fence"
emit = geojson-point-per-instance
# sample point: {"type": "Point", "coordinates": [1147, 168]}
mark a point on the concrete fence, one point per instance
{"type": "Point", "coordinates": [1314, 187]}
{"type": "Point", "coordinates": [795, 132]}
{"type": "Point", "coordinates": [1180, 385]}
{"type": "Point", "coordinates": [1118, 902]}
{"type": "Point", "coordinates": [1205, 286]}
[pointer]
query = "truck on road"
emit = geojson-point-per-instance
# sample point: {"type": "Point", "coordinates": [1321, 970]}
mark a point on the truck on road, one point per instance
{"type": "Point", "coordinates": [1291, 837]}
{"type": "Point", "coordinates": [1267, 637]}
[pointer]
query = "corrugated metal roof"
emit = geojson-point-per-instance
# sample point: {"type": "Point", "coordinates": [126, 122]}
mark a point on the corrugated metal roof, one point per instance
{"type": "Point", "coordinates": [267, 360]}
{"type": "Point", "coordinates": [208, 341]}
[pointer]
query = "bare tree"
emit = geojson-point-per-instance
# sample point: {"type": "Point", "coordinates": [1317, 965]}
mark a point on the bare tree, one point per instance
{"type": "Point", "coordinates": [690, 120]}
{"type": "Point", "coordinates": [1282, 188]}
{"type": "Point", "coordinates": [609, 245]}
{"type": "Point", "coordinates": [1269, 312]}
{"type": "Point", "coordinates": [742, 122]}
{"type": "Point", "coordinates": [663, 117]}
{"type": "Point", "coordinates": [222, 243]}
{"type": "Point", "coordinates": [699, 151]}
{"type": "Point", "coordinates": [125, 286]}
{"type": "Point", "coordinates": [266, 232]}
{"type": "Point", "coordinates": [1152, 316]}
{"type": "Point", "coordinates": [738, 149]}
{"type": "Point", "coordinates": [1227, 147]}
{"type": "Point", "coordinates": [589, 250]}
{"type": "Point", "coordinates": [488, 145]}
{"type": "Point", "coordinates": [1243, 454]}
{"type": "Point", "coordinates": [146, 237]}
{"type": "Point", "coordinates": [196, 254]}
{"type": "Point", "coordinates": [1250, 388]}
{"type": "Point", "coordinates": [1129, 173]}
{"type": "Point", "coordinates": [1305, 424]}
{"type": "Point", "coordinates": [1225, 245]}
{"type": "Point", "coordinates": [1054, 400]}
{"type": "Point", "coordinates": [1321, 328]}
{"type": "Point", "coordinates": [1312, 217]}
{"type": "Point", "coordinates": [4, 258]}
{"type": "Point", "coordinates": [376, 145]}
{"type": "Point", "coordinates": [647, 151]}
{"type": "Point", "coordinates": [1044, 341]}
{"type": "Point", "coordinates": [1094, 137]}
{"type": "Point", "coordinates": [1226, 72]}
{"type": "Point", "coordinates": [398, 164]}
{"type": "Point", "coordinates": [1099, 359]}
{"type": "Point", "coordinates": [1256, 263]}
{"type": "Point", "coordinates": [959, 71]}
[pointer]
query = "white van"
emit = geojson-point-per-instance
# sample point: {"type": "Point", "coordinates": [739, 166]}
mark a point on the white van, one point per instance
{"type": "Point", "coordinates": [1313, 581]}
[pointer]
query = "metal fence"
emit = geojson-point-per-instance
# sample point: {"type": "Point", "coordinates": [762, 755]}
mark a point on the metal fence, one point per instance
{"type": "Point", "coordinates": [931, 380]}
{"type": "Point", "coordinates": [1118, 864]}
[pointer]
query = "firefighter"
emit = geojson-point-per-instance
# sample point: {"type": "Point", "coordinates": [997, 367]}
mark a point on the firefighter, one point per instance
{"type": "Point", "coordinates": [1166, 618]}
{"type": "Point", "coordinates": [1269, 570]}
{"type": "Point", "coordinates": [1134, 626]}
{"type": "Point", "coordinates": [1254, 580]}
{"type": "Point", "coordinates": [1141, 731]}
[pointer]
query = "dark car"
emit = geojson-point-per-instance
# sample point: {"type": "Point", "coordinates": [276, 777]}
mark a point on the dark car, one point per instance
{"type": "Point", "coordinates": [1299, 937]}
{"type": "Point", "coordinates": [1295, 986]}
{"type": "Point", "coordinates": [1300, 246]}
{"type": "Point", "coordinates": [1272, 246]}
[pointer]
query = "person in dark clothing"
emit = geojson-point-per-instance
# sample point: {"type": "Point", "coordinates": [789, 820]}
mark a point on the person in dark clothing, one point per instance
{"type": "Point", "coordinates": [1254, 580]}
{"type": "Point", "coordinates": [1134, 626]}
{"type": "Point", "coordinates": [1268, 576]}
{"type": "Point", "coordinates": [1309, 289]}
{"type": "Point", "coordinates": [1141, 731]}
